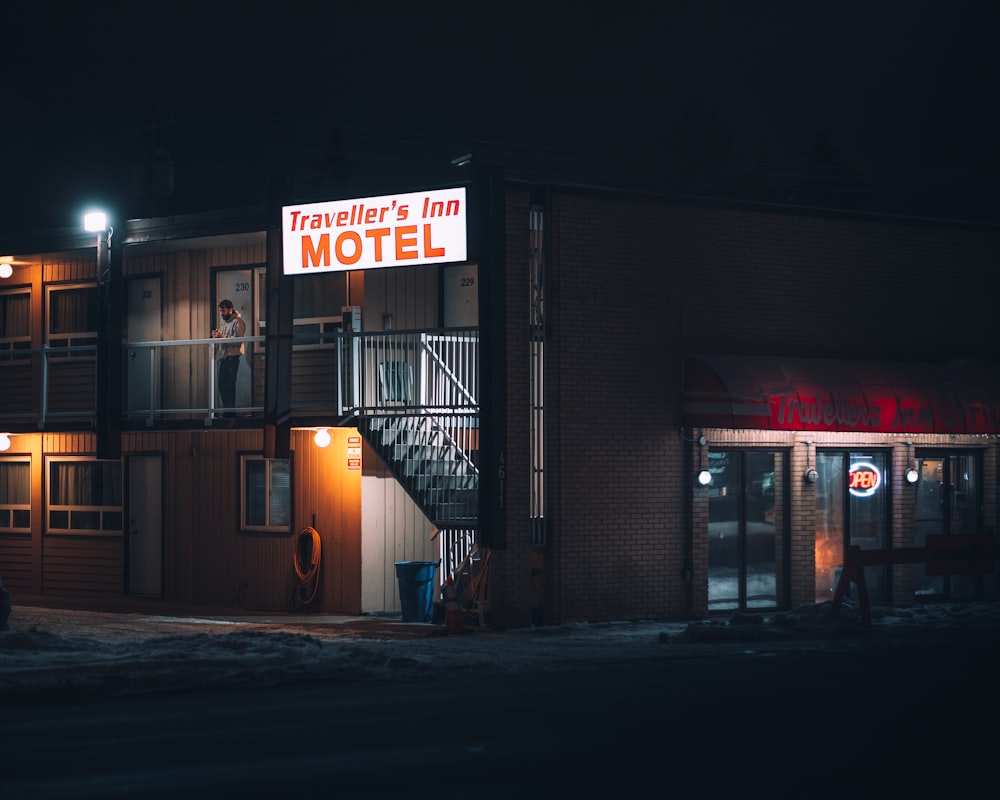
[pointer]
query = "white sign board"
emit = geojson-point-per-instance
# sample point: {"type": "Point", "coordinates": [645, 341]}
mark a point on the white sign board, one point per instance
{"type": "Point", "coordinates": [366, 233]}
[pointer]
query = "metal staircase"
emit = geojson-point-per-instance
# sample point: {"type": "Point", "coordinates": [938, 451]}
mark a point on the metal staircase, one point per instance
{"type": "Point", "coordinates": [423, 454]}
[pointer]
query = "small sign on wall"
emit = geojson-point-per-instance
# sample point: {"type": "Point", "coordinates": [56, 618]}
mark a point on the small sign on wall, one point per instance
{"type": "Point", "coordinates": [354, 452]}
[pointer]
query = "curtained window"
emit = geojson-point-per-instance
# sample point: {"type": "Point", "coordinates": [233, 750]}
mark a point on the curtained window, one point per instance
{"type": "Point", "coordinates": [72, 320]}
{"type": "Point", "coordinates": [15, 494]}
{"type": "Point", "coordinates": [15, 323]}
{"type": "Point", "coordinates": [85, 496]}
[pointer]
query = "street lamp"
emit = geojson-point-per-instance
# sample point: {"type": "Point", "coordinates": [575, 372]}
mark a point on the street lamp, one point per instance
{"type": "Point", "coordinates": [95, 221]}
{"type": "Point", "coordinates": [109, 340]}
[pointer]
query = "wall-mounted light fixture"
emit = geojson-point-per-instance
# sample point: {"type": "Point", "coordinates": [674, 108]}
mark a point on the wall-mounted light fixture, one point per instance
{"type": "Point", "coordinates": [322, 437]}
{"type": "Point", "coordinates": [6, 266]}
{"type": "Point", "coordinates": [810, 475]}
{"type": "Point", "coordinates": [911, 474]}
{"type": "Point", "coordinates": [4, 442]}
{"type": "Point", "coordinates": [703, 476]}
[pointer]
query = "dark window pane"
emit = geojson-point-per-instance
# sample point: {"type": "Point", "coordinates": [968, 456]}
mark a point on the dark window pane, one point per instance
{"type": "Point", "coordinates": [112, 521]}
{"type": "Point", "coordinates": [86, 520]}
{"type": "Point", "coordinates": [255, 492]}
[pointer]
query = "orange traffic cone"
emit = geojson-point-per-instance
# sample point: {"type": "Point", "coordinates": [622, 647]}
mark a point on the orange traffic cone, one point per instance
{"type": "Point", "coordinates": [454, 621]}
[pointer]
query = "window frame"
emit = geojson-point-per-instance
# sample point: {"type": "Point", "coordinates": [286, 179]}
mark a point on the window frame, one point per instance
{"type": "Point", "coordinates": [103, 510]}
{"type": "Point", "coordinates": [72, 339]}
{"type": "Point", "coordinates": [245, 524]}
{"type": "Point", "coordinates": [14, 348]}
{"type": "Point", "coordinates": [10, 509]}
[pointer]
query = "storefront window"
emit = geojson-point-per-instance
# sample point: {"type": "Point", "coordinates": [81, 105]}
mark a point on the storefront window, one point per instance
{"type": "Point", "coordinates": [851, 509]}
{"type": "Point", "coordinates": [744, 512]}
{"type": "Point", "coordinates": [948, 499]}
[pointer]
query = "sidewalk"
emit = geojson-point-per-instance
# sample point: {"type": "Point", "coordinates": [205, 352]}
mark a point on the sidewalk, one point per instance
{"type": "Point", "coordinates": [103, 620]}
{"type": "Point", "coordinates": [51, 654]}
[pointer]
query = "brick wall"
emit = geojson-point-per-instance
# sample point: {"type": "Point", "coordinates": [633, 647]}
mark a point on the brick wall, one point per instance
{"type": "Point", "coordinates": [634, 284]}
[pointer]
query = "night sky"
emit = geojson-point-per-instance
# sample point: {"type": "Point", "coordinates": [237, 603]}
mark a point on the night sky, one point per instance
{"type": "Point", "coordinates": [858, 106]}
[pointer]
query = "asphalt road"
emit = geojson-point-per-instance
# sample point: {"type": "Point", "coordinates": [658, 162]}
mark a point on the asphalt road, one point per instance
{"type": "Point", "coordinates": [857, 721]}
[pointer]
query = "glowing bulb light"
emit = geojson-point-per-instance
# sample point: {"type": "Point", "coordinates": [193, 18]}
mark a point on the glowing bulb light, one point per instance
{"type": "Point", "coordinates": [6, 270]}
{"type": "Point", "coordinates": [94, 221]}
{"type": "Point", "coordinates": [4, 442]}
{"type": "Point", "coordinates": [322, 437]}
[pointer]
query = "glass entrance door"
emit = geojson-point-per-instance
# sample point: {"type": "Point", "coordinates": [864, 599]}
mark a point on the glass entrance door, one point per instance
{"type": "Point", "coordinates": [851, 508]}
{"type": "Point", "coordinates": [745, 511]}
{"type": "Point", "coordinates": [948, 500]}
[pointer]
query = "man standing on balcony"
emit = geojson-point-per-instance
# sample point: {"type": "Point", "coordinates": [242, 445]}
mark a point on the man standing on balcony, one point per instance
{"type": "Point", "coordinates": [229, 355]}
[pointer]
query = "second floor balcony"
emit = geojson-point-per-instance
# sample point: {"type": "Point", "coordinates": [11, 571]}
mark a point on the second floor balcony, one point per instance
{"type": "Point", "coordinates": [332, 377]}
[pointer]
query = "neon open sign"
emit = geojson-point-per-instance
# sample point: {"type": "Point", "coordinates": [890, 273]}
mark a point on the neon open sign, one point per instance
{"type": "Point", "coordinates": [865, 478]}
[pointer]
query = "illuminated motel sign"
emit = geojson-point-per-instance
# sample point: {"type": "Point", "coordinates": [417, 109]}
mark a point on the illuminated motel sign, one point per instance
{"type": "Point", "coordinates": [864, 479]}
{"type": "Point", "coordinates": [371, 232]}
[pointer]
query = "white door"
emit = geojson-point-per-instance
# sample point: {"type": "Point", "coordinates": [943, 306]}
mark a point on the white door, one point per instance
{"type": "Point", "coordinates": [145, 509]}
{"type": "Point", "coordinates": [237, 285]}
{"type": "Point", "coordinates": [461, 296]}
{"type": "Point", "coordinates": [144, 325]}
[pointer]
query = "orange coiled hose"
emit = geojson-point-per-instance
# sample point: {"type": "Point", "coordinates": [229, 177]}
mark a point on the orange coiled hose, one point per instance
{"type": "Point", "coordinates": [308, 575]}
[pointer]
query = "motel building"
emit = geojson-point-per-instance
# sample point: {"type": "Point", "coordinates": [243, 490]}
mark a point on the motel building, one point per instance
{"type": "Point", "coordinates": [581, 403]}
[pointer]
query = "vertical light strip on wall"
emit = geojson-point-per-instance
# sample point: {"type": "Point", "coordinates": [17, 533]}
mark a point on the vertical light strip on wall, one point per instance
{"type": "Point", "coordinates": [536, 266]}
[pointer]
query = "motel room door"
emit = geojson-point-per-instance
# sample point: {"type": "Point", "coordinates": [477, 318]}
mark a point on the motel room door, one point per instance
{"type": "Point", "coordinates": [145, 525]}
{"type": "Point", "coordinates": [237, 285]}
{"type": "Point", "coordinates": [144, 325]}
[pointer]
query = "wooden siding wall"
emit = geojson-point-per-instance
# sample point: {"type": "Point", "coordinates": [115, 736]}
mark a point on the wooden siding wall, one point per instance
{"type": "Point", "coordinates": [410, 294]}
{"type": "Point", "coordinates": [71, 565]}
{"type": "Point", "coordinates": [209, 561]}
{"type": "Point", "coordinates": [393, 529]}
{"type": "Point", "coordinates": [188, 309]}
{"type": "Point", "coordinates": [20, 553]}
{"type": "Point", "coordinates": [70, 268]}
{"type": "Point", "coordinates": [18, 400]}
{"type": "Point", "coordinates": [72, 382]}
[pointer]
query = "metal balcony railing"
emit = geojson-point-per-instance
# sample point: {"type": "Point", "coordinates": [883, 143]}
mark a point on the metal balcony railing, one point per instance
{"type": "Point", "coordinates": [333, 375]}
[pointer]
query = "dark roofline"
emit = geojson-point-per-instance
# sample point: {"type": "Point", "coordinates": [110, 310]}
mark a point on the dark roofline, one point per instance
{"type": "Point", "coordinates": [707, 201]}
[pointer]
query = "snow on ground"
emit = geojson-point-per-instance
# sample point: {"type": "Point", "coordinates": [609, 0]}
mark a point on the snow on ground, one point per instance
{"type": "Point", "coordinates": [52, 654]}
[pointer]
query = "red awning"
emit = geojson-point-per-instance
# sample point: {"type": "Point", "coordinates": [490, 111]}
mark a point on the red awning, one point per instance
{"type": "Point", "coordinates": [800, 394]}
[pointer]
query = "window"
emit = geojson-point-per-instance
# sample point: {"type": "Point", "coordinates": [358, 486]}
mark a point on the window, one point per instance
{"type": "Point", "coordinates": [15, 324]}
{"type": "Point", "coordinates": [15, 495]}
{"type": "Point", "coordinates": [72, 320]}
{"type": "Point", "coordinates": [266, 489]}
{"type": "Point", "coordinates": [85, 496]}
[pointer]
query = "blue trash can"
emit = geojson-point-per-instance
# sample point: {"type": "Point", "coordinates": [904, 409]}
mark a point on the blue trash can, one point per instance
{"type": "Point", "coordinates": [416, 589]}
